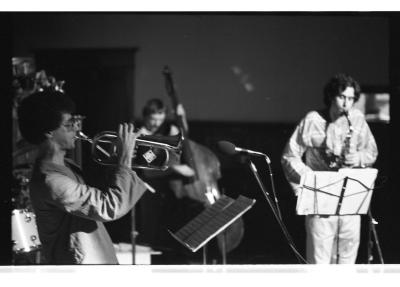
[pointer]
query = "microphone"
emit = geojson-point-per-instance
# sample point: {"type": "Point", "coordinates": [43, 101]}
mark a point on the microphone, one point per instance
{"type": "Point", "coordinates": [230, 149]}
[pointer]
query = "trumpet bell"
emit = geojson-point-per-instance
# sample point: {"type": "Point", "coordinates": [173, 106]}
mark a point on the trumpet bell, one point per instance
{"type": "Point", "coordinates": [151, 152]}
{"type": "Point", "coordinates": [150, 157]}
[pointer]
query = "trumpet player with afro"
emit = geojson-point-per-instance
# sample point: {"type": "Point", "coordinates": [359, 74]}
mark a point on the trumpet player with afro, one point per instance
{"type": "Point", "coordinates": [325, 140]}
{"type": "Point", "coordinates": [70, 213]}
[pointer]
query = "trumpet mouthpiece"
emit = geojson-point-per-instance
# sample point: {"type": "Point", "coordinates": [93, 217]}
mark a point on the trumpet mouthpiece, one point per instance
{"type": "Point", "coordinates": [82, 136]}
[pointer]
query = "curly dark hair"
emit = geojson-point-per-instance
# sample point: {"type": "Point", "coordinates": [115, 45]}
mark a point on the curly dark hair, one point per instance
{"type": "Point", "coordinates": [41, 112]}
{"type": "Point", "coordinates": [337, 84]}
{"type": "Point", "coordinates": [153, 106]}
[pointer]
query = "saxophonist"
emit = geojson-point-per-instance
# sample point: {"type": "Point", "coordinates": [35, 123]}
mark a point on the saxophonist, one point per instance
{"type": "Point", "coordinates": [325, 140]}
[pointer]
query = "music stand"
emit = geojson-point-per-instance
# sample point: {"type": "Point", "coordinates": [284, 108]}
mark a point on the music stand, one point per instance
{"type": "Point", "coordinates": [347, 191]}
{"type": "Point", "coordinates": [212, 221]}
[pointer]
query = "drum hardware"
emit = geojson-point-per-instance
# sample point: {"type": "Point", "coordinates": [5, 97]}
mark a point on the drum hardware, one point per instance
{"type": "Point", "coordinates": [24, 233]}
{"type": "Point", "coordinates": [20, 189]}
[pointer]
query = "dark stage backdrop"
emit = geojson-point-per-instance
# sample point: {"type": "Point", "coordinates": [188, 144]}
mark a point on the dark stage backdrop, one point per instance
{"type": "Point", "coordinates": [256, 67]}
{"type": "Point", "coordinates": [100, 81]}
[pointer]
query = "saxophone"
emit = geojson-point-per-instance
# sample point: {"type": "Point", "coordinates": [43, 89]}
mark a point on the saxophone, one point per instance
{"type": "Point", "coordinates": [337, 162]}
{"type": "Point", "coordinates": [346, 146]}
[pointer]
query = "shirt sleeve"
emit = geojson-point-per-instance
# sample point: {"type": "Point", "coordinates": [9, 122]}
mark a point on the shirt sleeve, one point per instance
{"type": "Point", "coordinates": [367, 148]}
{"type": "Point", "coordinates": [124, 190]}
{"type": "Point", "coordinates": [292, 163]}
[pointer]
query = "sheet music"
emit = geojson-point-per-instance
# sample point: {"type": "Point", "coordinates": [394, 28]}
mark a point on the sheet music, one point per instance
{"type": "Point", "coordinates": [321, 191]}
{"type": "Point", "coordinates": [212, 221]}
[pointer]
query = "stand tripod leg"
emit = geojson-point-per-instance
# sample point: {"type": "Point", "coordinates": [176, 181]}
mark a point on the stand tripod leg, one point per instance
{"type": "Point", "coordinates": [223, 248]}
{"type": "Point", "coordinates": [373, 238]}
{"type": "Point", "coordinates": [37, 257]}
{"type": "Point", "coordinates": [205, 255]}
{"type": "Point", "coordinates": [338, 240]}
{"type": "Point", "coordinates": [133, 236]}
{"type": "Point", "coordinates": [275, 212]}
{"type": "Point", "coordinates": [370, 243]}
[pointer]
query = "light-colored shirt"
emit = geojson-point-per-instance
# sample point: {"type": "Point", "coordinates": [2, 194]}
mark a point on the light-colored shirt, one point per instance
{"type": "Point", "coordinates": [314, 137]}
{"type": "Point", "coordinates": [69, 213]}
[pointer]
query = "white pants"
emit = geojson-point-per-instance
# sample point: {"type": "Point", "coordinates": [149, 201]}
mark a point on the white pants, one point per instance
{"type": "Point", "coordinates": [322, 238]}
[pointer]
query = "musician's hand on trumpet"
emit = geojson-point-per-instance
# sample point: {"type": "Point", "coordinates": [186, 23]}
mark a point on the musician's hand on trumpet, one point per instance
{"type": "Point", "coordinates": [352, 159]}
{"type": "Point", "coordinates": [127, 138]}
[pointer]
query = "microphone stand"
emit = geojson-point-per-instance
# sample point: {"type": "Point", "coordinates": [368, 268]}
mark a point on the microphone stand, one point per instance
{"type": "Point", "coordinates": [373, 237]}
{"type": "Point", "coordinates": [274, 208]}
{"type": "Point", "coordinates": [273, 187]}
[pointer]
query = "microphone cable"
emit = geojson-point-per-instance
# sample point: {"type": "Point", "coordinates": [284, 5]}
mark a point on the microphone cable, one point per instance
{"type": "Point", "coordinates": [230, 149]}
{"type": "Point", "coordinates": [278, 215]}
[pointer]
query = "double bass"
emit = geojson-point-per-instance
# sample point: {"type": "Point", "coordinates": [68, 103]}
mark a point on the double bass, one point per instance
{"type": "Point", "coordinates": [203, 186]}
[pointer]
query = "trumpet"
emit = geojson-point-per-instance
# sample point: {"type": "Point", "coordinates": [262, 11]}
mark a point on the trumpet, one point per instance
{"type": "Point", "coordinates": [153, 152]}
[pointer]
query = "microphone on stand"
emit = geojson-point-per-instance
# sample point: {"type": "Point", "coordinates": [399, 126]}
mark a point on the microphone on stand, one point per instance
{"type": "Point", "coordinates": [230, 149]}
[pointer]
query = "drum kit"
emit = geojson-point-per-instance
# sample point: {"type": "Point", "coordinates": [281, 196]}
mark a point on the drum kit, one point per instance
{"type": "Point", "coordinates": [24, 232]}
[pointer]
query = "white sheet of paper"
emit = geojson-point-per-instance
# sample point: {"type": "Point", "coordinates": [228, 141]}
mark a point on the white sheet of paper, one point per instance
{"type": "Point", "coordinates": [321, 190]}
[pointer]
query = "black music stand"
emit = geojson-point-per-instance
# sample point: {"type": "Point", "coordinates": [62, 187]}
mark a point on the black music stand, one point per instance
{"type": "Point", "coordinates": [212, 221]}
